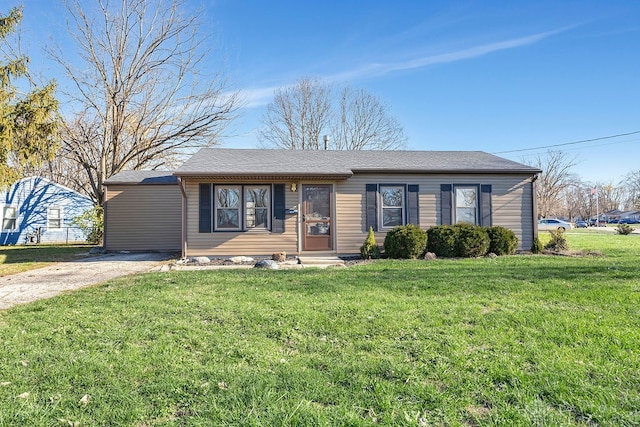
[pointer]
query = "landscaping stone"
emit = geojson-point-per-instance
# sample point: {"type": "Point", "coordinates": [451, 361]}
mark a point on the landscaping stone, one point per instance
{"type": "Point", "coordinates": [240, 259]}
{"type": "Point", "coordinates": [279, 256]}
{"type": "Point", "coordinates": [201, 260]}
{"type": "Point", "coordinates": [267, 263]}
{"type": "Point", "coordinates": [430, 256]}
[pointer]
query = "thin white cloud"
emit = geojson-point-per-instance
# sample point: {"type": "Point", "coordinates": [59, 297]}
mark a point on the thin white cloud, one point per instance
{"type": "Point", "coordinates": [473, 52]}
{"type": "Point", "coordinates": [257, 97]}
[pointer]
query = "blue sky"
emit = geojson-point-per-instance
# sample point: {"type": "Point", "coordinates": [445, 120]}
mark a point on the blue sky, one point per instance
{"type": "Point", "coordinates": [467, 75]}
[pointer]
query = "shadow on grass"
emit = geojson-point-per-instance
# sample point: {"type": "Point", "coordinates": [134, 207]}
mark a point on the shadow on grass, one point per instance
{"type": "Point", "coordinates": [453, 275]}
{"type": "Point", "coordinates": [42, 253]}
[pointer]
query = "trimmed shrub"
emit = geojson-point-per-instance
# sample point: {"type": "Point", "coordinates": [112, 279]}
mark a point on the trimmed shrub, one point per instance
{"type": "Point", "coordinates": [536, 247]}
{"type": "Point", "coordinates": [472, 241]}
{"type": "Point", "coordinates": [558, 242]}
{"type": "Point", "coordinates": [369, 249]}
{"type": "Point", "coordinates": [624, 229]}
{"type": "Point", "coordinates": [502, 241]}
{"type": "Point", "coordinates": [441, 240]}
{"type": "Point", "coordinates": [405, 241]}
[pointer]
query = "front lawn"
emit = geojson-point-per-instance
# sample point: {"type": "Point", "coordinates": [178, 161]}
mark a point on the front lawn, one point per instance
{"type": "Point", "coordinates": [522, 340]}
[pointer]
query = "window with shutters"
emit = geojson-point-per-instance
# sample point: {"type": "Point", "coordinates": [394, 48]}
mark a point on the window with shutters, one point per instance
{"type": "Point", "coordinates": [466, 204]}
{"type": "Point", "coordinates": [240, 207]}
{"type": "Point", "coordinates": [392, 205]}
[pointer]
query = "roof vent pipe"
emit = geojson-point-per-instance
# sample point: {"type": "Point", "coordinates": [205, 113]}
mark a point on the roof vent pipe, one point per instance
{"type": "Point", "coordinates": [326, 142]}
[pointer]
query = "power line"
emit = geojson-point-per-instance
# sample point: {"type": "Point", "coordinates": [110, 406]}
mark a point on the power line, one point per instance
{"type": "Point", "coordinates": [602, 144]}
{"type": "Point", "coordinates": [568, 143]}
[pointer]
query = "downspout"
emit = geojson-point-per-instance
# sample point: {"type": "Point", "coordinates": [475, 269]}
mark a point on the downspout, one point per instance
{"type": "Point", "coordinates": [184, 218]}
{"type": "Point", "coordinates": [104, 218]}
{"type": "Point", "coordinates": [534, 204]}
{"type": "Point", "coordinates": [299, 220]}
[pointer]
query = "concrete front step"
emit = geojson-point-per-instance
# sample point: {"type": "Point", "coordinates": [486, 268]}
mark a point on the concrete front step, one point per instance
{"type": "Point", "coordinates": [320, 260]}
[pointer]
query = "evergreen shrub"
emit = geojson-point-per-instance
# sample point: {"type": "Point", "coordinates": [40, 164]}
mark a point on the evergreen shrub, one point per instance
{"type": "Point", "coordinates": [441, 240]}
{"type": "Point", "coordinates": [405, 241]}
{"type": "Point", "coordinates": [472, 241]}
{"type": "Point", "coordinates": [369, 249]}
{"type": "Point", "coordinates": [502, 241]}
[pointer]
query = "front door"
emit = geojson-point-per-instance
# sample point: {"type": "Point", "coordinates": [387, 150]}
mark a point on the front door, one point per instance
{"type": "Point", "coordinates": [316, 218]}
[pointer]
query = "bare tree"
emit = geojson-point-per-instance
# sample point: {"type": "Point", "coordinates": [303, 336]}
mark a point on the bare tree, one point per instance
{"type": "Point", "coordinates": [301, 114]}
{"type": "Point", "coordinates": [297, 116]}
{"type": "Point", "coordinates": [575, 200]}
{"type": "Point", "coordinates": [140, 97]}
{"type": "Point", "coordinates": [632, 185]}
{"type": "Point", "coordinates": [364, 122]}
{"type": "Point", "coordinates": [610, 197]}
{"type": "Point", "coordinates": [556, 176]}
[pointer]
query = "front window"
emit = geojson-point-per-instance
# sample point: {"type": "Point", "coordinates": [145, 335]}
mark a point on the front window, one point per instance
{"type": "Point", "coordinates": [9, 218]}
{"type": "Point", "coordinates": [392, 205]}
{"type": "Point", "coordinates": [54, 217]}
{"type": "Point", "coordinates": [257, 207]}
{"type": "Point", "coordinates": [227, 207]}
{"type": "Point", "coordinates": [467, 205]}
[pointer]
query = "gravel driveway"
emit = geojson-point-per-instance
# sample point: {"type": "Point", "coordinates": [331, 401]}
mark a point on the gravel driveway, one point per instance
{"type": "Point", "coordinates": [55, 279]}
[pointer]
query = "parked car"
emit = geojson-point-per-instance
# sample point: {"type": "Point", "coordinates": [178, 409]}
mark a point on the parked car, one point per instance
{"type": "Point", "coordinates": [554, 224]}
{"type": "Point", "coordinates": [581, 224]}
{"type": "Point", "coordinates": [628, 221]}
{"type": "Point", "coordinates": [593, 222]}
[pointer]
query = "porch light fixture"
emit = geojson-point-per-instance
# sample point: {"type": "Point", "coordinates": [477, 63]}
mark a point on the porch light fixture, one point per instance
{"type": "Point", "coordinates": [293, 187]}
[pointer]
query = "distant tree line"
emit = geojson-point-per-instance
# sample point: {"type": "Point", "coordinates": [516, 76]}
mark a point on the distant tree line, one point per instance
{"type": "Point", "coordinates": [562, 193]}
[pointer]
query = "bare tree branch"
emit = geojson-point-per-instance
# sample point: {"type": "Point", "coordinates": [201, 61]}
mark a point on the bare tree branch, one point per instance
{"type": "Point", "coordinates": [556, 175]}
{"type": "Point", "coordinates": [301, 114]}
{"type": "Point", "coordinates": [632, 184]}
{"type": "Point", "coordinates": [140, 95]}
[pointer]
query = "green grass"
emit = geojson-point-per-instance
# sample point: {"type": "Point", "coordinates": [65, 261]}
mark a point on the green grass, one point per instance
{"type": "Point", "coordinates": [15, 259]}
{"type": "Point", "coordinates": [522, 340]}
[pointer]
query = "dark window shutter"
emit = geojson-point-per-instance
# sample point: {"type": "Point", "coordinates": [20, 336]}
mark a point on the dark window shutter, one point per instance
{"type": "Point", "coordinates": [372, 207]}
{"type": "Point", "coordinates": [446, 204]}
{"type": "Point", "coordinates": [279, 214]}
{"type": "Point", "coordinates": [413, 211]}
{"type": "Point", "coordinates": [485, 205]}
{"type": "Point", "coordinates": [205, 212]}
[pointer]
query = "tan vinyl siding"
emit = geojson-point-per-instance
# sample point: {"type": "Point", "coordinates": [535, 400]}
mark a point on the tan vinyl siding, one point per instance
{"type": "Point", "coordinates": [230, 243]}
{"type": "Point", "coordinates": [143, 217]}
{"type": "Point", "coordinates": [511, 204]}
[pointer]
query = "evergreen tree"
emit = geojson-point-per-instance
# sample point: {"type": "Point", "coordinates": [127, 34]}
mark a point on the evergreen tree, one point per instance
{"type": "Point", "coordinates": [28, 121]}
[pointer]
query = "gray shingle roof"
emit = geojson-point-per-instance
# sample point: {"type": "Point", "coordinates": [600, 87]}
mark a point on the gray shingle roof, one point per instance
{"type": "Point", "coordinates": [143, 178]}
{"type": "Point", "coordinates": [264, 162]}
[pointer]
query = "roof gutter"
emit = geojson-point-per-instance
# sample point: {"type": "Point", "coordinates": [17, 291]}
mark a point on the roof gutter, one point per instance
{"type": "Point", "coordinates": [286, 176]}
{"type": "Point", "coordinates": [448, 171]}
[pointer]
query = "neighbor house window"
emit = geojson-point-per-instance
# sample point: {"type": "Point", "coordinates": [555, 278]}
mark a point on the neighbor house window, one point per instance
{"type": "Point", "coordinates": [227, 207]}
{"type": "Point", "coordinates": [54, 217]}
{"type": "Point", "coordinates": [466, 204]}
{"type": "Point", "coordinates": [392, 205]}
{"type": "Point", "coordinates": [257, 206]}
{"type": "Point", "coordinates": [9, 217]}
